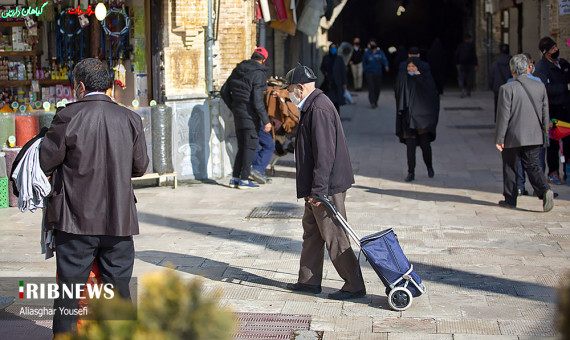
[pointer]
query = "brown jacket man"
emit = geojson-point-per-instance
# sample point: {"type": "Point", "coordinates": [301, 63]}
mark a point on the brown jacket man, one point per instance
{"type": "Point", "coordinates": [91, 150]}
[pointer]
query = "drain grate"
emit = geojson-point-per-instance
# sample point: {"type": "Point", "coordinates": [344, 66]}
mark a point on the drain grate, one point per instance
{"type": "Point", "coordinates": [270, 326]}
{"type": "Point", "coordinates": [278, 211]}
{"type": "Point", "coordinates": [463, 108]}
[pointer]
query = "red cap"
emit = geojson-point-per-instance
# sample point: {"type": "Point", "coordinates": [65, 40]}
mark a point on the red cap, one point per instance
{"type": "Point", "coordinates": [262, 51]}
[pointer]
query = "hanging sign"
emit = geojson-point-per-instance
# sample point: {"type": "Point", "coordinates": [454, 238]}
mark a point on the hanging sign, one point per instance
{"type": "Point", "coordinates": [79, 11]}
{"type": "Point", "coordinates": [23, 12]}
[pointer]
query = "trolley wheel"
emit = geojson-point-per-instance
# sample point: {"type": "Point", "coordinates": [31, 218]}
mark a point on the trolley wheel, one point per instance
{"type": "Point", "coordinates": [400, 298]}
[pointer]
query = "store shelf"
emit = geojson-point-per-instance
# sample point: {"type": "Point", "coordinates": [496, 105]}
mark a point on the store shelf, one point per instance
{"type": "Point", "coordinates": [20, 53]}
{"type": "Point", "coordinates": [43, 82]}
{"type": "Point", "coordinates": [12, 23]}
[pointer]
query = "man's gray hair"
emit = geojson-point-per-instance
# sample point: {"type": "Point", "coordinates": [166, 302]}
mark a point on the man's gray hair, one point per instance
{"type": "Point", "coordinates": [519, 64]}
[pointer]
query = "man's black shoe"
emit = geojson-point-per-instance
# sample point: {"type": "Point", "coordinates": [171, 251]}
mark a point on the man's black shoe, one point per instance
{"type": "Point", "coordinates": [344, 295]}
{"type": "Point", "coordinates": [523, 192]}
{"type": "Point", "coordinates": [302, 287]}
{"type": "Point", "coordinates": [504, 204]}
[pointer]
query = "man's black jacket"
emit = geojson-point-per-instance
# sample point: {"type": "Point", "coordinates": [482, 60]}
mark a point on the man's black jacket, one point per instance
{"type": "Point", "coordinates": [243, 93]}
{"type": "Point", "coordinates": [556, 81]}
{"type": "Point", "coordinates": [321, 154]}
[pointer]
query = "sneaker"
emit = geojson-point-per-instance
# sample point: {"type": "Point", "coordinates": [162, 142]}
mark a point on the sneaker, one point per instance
{"type": "Point", "coordinates": [6, 301]}
{"type": "Point", "coordinates": [548, 201]}
{"type": "Point", "coordinates": [258, 176]}
{"type": "Point", "coordinates": [234, 182]}
{"type": "Point", "coordinates": [554, 179]}
{"type": "Point", "coordinates": [523, 192]}
{"type": "Point", "coordinates": [247, 184]}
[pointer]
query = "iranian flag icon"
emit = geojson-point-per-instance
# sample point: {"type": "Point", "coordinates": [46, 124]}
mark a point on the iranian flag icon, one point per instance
{"type": "Point", "coordinates": [21, 289]}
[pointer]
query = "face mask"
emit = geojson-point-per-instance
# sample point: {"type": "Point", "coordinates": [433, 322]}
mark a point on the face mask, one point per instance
{"type": "Point", "coordinates": [555, 54]}
{"type": "Point", "coordinates": [373, 47]}
{"type": "Point", "coordinates": [411, 73]}
{"type": "Point", "coordinates": [333, 50]}
{"type": "Point", "coordinates": [357, 44]}
{"type": "Point", "coordinates": [294, 98]}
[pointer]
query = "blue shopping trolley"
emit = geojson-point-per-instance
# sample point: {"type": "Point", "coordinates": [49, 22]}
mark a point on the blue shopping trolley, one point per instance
{"type": "Point", "coordinates": [386, 257]}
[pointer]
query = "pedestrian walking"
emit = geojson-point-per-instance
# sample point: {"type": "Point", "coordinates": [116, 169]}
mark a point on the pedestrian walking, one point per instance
{"type": "Point", "coordinates": [91, 150]}
{"type": "Point", "coordinates": [466, 62]}
{"type": "Point", "coordinates": [555, 74]}
{"type": "Point", "coordinates": [356, 64]}
{"type": "Point", "coordinates": [243, 93]}
{"type": "Point", "coordinates": [417, 113]}
{"type": "Point", "coordinates": [436, 60]}
{"type": "Point", "coordinates": [374, 63]}
{"type": "Point", "coordinates": [323, 170]}
{"type": "Point", "coordinates": [522, 120]}
{"type": "Point", "coordinates": [500, 72]}
{"type": "Point", "coordinates": [334, 70]}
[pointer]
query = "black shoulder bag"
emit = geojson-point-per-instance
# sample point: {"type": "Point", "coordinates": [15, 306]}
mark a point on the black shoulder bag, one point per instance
{"type": "Point", "coordinates": [545, 138]}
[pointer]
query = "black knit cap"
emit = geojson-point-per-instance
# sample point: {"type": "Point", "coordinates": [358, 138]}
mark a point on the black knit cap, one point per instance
{"type": "Point", "coordinates": [545, 44]}
{"type": "Point", "coordinates": [299, 75]}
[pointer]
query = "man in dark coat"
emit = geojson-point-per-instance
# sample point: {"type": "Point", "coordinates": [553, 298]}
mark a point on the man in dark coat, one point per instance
{"type": "Point", "coordinates": [500, 72]}
{"type": "Point", "coordinates": [91, 150]}
{"type": "Point", "coordinates": [334, 70]}
{"type": "Point", "coordinates": [323, 170]}
{"type": "Point", "coordinates": [244, 93]}
{"type": "Point", "coordinates": [555, 74]}
{"type": "Point", "coordinates": [522, 119]}
{"type": "Point", "coordinates": [466, 61]}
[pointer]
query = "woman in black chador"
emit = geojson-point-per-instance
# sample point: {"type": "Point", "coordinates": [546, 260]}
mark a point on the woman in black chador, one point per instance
{"type": "Point", "coordinates": [417, 104]}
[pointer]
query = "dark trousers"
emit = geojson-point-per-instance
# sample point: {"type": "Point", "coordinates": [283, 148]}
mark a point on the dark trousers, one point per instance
{"type": "Point", "coordinates": [465, 77]}
{"type": "Point", "coordinates": [423, 141]}
{"type": "Point", "coordinates": [374, 82]}
{"type": "Point", "coordinates": [247, 144]}
{"type": "Point", "coordinates": [74, 259]}
{"type": "Point", "coordinates": [521, 178]}
{"type": "Point", "coordinates": [321, 229]}
{"type": "Point", "coordinates": [553, 156]}
{"type": "Point", "coordinates": [529, 158]}
{"type": "Point", "coordinates": [264, 151]}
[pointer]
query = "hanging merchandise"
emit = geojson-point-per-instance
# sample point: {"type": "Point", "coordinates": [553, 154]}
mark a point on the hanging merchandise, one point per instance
{"type": "Point", "coordinates": [121, 75]}
{"type": "Point", "coordinates": [114, 36]}
{"type": "Point", "coordinates": [70, 39]}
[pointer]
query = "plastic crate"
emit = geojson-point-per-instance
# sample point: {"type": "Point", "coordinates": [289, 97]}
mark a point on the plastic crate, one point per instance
{"type": "Point", "coordinates": [3, 192]}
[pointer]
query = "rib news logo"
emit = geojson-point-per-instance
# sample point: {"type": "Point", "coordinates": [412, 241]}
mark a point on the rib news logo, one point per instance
{"type": "Point", "coordinates": [40, 291]}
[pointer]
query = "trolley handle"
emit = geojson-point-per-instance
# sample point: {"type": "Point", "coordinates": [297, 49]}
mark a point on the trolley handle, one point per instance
{"type": "Point", "coordinates": [330, 205]}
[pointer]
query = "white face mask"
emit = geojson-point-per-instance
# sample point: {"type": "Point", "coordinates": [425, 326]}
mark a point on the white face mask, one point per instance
{"type": "Point", "coordinates": [294, 98]}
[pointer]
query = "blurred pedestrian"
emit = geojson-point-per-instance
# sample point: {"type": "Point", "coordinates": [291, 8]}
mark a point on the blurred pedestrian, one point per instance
{"type": "Point", "coordinates": [466, 62]}
{"type": "Point", "coordinates": [243, 93]}
{"type": "Point", "coordinates": [417, 105]}
{"type": "Point", "coordinates": [522, 120]}
{"type": "Point", "coordinates": [555, 74]}
{"type": "Point", "coordinates": [334, 70]}
{"type": "Point", "coordinates": [323, 170]}
{"type": "Point", "coordinates": [91, 150]}
{"type": "Point", "coordinates": [500, 72]}
{"type": "Point", "coordinates": [356, 64]}
{"type": "Point", "coordinates": [374, 63]}
{"type": "Point", "coordinates": [437, 62]}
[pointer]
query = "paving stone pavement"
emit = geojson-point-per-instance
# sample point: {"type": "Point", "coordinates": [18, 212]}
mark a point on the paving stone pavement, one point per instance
{"type": "Point", "coordinates": [491, 273]}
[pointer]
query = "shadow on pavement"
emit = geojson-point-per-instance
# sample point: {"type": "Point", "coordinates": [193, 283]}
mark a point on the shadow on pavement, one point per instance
{"type": "Point", "coordinates": [15, 327]}
{"type": "Point", "coordinates": [448, 276]}
{"type": "Point", "coordinates": [425, 196]}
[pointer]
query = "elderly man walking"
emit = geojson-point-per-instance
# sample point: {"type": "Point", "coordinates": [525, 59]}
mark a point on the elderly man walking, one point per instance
{"type": "Point", "coordinates": [522, 120]}
{"type": "Point", "coordinates": [323, 170]}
